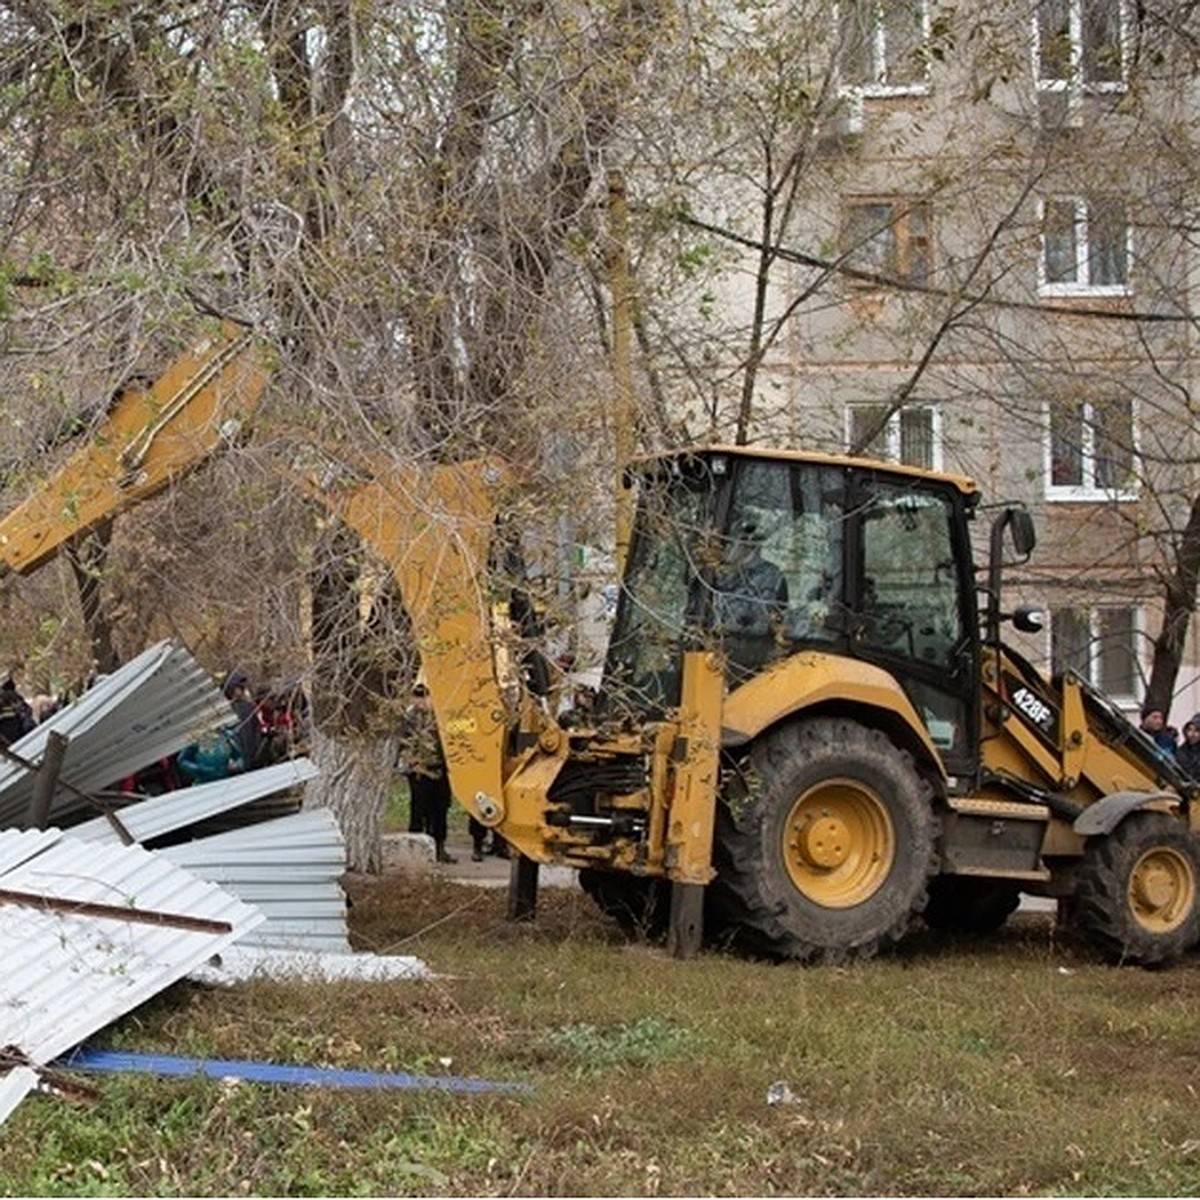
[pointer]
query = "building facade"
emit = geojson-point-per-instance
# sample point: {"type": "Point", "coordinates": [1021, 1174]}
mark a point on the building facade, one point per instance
{"type": "Point", "coordinates": [995, 236]}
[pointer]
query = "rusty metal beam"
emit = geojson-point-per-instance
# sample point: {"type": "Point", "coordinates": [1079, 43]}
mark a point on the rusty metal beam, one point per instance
{"type": "Point", "coordinates": [118, 912]}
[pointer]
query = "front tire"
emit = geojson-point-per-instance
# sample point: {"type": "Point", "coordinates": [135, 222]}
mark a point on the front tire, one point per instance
{"type": "Point", "coordinates": [824, 844]}
{"type": "Point", "coordinates": [1138, 897]}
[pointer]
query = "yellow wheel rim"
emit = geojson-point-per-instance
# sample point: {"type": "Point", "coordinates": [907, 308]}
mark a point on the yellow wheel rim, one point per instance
{"type": "Point", "coordinates": [838, 843]}
{"type": "Point", "coordinates": [1162, 889]}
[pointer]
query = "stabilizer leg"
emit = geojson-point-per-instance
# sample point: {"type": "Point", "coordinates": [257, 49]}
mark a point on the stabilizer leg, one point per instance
{"type": "Point", "coordinates": [686, 930]}
{"type": "Point", "coordinates": [522, 888]}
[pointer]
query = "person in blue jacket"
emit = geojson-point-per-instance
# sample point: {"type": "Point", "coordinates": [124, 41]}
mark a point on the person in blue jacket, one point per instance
{"type": "Point", "coordinates": [216, 755]}
{"type": "Point", "coordinates": [1154, 726]}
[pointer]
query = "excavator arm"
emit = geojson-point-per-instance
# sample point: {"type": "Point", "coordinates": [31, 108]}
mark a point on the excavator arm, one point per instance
{"type": "Point", "coordinates": [148, 439]}
{"type": "Point", "coordinates": [431, 525]}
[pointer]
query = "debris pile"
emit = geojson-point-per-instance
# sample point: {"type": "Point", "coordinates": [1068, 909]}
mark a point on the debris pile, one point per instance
{"type": "Point", "coordinates": [88, 933]}
{"type": "Point", "coordinates": [148, 710]}
{"type": "Point", "coordinates": [107, 898]}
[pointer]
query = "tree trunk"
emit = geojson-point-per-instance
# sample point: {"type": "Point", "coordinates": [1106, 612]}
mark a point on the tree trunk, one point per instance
{"type": "Point", "coordinates": [355, 781]}
{"type": "Point", "coordinates": [89, 560]}
{"type": "Point", "coordinates": [1179, 603]}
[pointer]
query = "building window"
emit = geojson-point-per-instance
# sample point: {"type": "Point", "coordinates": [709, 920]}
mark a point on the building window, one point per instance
{"type": "Point", "coordinates": [911, 436]}
{"type": "Point", "coordinates": [1085, 247]}
{"type": "Point", "coordinates": [887, 237]}
{"type": "Point", "coordinates": [1090, 450]}
{"type": "Point", "coordinates": [1080, 44]}
{"type": "Point", "coordinates": [1100, 645]}
{"type": "Point", "coordinates": [881, 46]}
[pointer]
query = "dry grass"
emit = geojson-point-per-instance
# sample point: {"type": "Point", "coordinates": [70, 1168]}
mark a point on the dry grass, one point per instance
{"type": "Point", "coordinates": [1011, 1066]}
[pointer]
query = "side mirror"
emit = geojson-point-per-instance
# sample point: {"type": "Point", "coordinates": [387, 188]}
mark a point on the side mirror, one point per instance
{"type": "Point", "coordinates": [1028, 618]}
{"type": "Point", "coordinates": [1024, 536]}
{"type": "Point", "coordinates": [1017, 519]}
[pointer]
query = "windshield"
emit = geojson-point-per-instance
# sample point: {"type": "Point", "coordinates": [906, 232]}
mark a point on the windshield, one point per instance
{"type": "Point", "coordinates": [645, 652]}
{"type": "Point", "coordinates": [910, 581]}
{"type": "Point", "coordinates": [742, 555]}
{"type": "Point", "coordinates": [777, 577]}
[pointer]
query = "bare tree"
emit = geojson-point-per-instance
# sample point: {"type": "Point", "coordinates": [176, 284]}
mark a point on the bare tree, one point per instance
{"type": "Point", "coordinates": [390, 191]}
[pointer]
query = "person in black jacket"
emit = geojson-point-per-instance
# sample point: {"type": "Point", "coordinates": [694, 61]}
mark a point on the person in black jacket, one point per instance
{"type": "Point", "coordinates": [16, 715]}
{"type": "Point", "coordinates": [425, 767]}
{"type": "Point", "coordinates": [1188, 754]}
{"type": "Point", "coordinates": [246, 727]}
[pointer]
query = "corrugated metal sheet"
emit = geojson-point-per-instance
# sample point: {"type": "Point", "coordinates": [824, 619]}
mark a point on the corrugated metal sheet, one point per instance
{"type": "Point", "coordinates": [173, 811]}
{"type": "Point", "coordinates": [290, 868]}
{"type": "Point", "coordinates": [151, 707]}
{"type": "Point", "coordinates": [18, 846]}
{"type": "Point", "coordinates": [15, 1085]}
{"type": "Point", "coordinates": [68, 972]}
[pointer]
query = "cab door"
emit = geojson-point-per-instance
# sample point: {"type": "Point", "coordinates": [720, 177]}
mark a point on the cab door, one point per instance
{"type": "Point", "coordinates": [912, 601]}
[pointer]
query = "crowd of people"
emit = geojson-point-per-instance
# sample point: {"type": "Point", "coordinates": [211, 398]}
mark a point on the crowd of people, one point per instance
{"type": "Point", "coordinates": [264, 730]}
{"type": "Point", "coordinates": [1185, 751]}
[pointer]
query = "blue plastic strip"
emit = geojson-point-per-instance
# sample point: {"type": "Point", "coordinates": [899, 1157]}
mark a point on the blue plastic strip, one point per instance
{"type": "Point", "coordinates": [83, 1058]}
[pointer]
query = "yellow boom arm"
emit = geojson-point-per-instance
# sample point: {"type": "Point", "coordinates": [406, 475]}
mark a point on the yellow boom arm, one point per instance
{"type": "Point", "coordinates": [148, 439]}
{"type": "Point", "coordinates": [431, 525]}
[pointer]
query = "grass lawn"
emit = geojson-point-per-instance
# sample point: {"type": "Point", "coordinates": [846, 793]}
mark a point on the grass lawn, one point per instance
{"type": "Point", "coordinates": [1013, 1065]}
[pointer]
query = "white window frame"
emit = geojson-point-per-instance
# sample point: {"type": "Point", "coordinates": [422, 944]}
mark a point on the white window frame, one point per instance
{"type": "Point", "coordinates": [1088, 489]}
{"type": "Point", "coordinates": [1080, 286]}
{"type": "Point", "coordinates": [879, 86]}
{"type": "Point", "coordinates": [891, 431]}
{"type": "Point", "coordinates": [1075, 86]}
{"type": "Point", "coordinates": [1137, 631]}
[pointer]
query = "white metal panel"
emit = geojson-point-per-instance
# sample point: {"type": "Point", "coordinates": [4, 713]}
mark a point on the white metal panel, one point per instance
{"type": "Point", "coordinates": [157, 815]}
{"type": "Point", "coordinates": [290, 868]}
{"type": "Point", "coordinates": [265, 962]}
{"type": "Point", "coordinates": [15, 1085]}
{"type": "Point", "coordinates": [67, 973]}
{"type": "Point", "coordinates": [151, 707]}
{"type": "Point", "coordinates": [18, 846]}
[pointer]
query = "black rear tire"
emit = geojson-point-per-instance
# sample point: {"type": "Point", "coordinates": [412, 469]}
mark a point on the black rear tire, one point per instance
{"type": "Point", "coordinates": [824, 844]}
{"type": "Point", "coordinates": [1138, 894]}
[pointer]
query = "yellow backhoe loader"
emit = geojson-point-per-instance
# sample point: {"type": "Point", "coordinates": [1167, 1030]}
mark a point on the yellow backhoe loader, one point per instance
{"type": "Point", "coordinates": [809, 731]}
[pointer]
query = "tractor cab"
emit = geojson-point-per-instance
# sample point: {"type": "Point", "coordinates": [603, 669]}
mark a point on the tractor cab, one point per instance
{"type": "Point", "coordinates": [762, 556]}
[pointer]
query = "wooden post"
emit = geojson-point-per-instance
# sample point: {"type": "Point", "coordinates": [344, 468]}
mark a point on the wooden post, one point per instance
{"type": "Point", "coordinates": [685, 930]}
{"type": "Point", "coordinates": [46, 779]}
